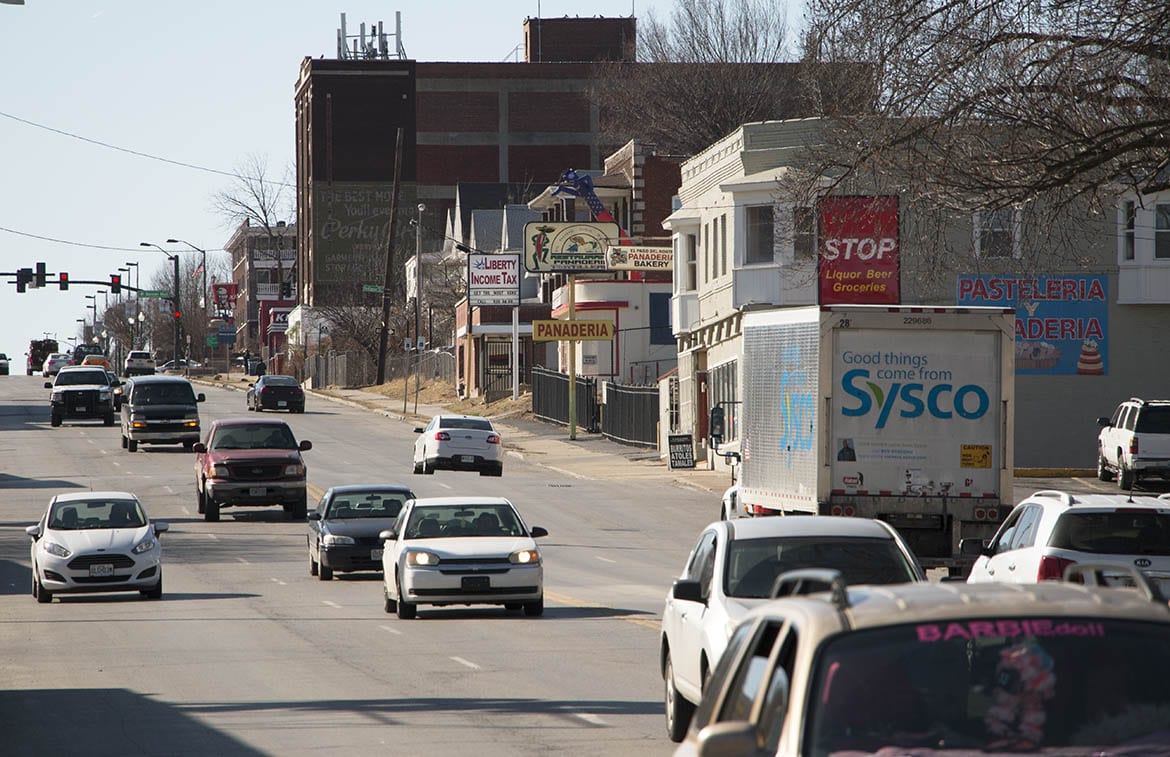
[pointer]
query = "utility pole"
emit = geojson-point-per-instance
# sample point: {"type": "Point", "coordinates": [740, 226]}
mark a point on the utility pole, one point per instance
{"type": "Point", "coordinates": [387, 279]}
{"type": "Point", "coordinates": [418, 293]}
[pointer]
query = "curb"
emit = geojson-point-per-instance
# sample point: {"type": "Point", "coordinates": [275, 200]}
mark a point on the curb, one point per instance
{"type": "Point", "coordinates": [1054, 472]}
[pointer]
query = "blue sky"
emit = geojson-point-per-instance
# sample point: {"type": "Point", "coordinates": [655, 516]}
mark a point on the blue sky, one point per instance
{"type": "Point", "coordinates": [206, 84]}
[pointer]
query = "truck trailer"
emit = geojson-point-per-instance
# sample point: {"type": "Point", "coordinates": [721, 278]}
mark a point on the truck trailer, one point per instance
{"type": "Point", "coordinates": [904, 414]}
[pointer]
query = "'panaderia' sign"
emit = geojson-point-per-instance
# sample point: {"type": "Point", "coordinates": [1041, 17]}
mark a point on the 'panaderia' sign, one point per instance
{"type": "Point", "coordinates": [546, 331]}
{"type": "Point", "coordinates": [635, 258]}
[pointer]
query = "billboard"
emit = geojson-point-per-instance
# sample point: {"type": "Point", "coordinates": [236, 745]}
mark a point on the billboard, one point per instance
{"type": "Point", "coordinates": [1062, 322]}
{"type": "Point", "coordinates": [558, 247]}
{"type": "Point", "coordinates": [858, 255]}
{"type": "Point", "coordinates": [493, 279]}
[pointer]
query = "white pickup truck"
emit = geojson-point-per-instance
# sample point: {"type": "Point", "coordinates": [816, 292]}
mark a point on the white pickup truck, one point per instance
{"type": "Point", "coordinates": [138, 363]}
{"type": "Point", "coordinates": [1134, 443]}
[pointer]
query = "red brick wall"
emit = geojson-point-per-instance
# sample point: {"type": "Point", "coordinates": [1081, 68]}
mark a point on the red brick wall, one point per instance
{"type": "Point", "coordinates": [458, 111]}
{"type": "Point", "coordinates": [662, 177]}
{"type": "Point", "coordinates": [579, 39]}
{"type": "Point", "coordinates": [548, 111]}
{"type": "Point", "coordinates": [450, 164]}
{"type": "Point", "coordinates": [544, 163]}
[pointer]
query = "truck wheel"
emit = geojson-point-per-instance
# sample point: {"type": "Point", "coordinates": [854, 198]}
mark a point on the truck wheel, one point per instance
{"type": "Point", "coordinates": [1103, 472]}
{"type": "Point", "coordinates": [123, 441]}
{"type": "Point", "coordinates": [1125, 477]}
{"type": "Point", "coordinates": [200, 501]}
{"type": "Point", "coordinates": [131, 445]}
{"type": "Point", "coordinates": [188, 446]}
{"type": "Point", "coordinates": [299, 509]}
{"type": "Point", "coordinates": [108, 420]}
{"type": "Point", "coordinates": [54, 420]}
{"type": "Point", "coordinates": [211, 511]}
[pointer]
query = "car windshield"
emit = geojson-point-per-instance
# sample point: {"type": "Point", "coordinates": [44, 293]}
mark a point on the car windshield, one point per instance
{"type": "Point", "coordinates": [753, 564]}
{"type": "Point", "coordinates": [1121, 532]}
{"type": "Point", "coordinates": [77, 378]}
{"type": "Point", "coordinates": [279, 381]}
{"type": "Point", "coordinates": [162, 394]}
{"type": "Point", "coordinates": [372, 504]}
{"type": "Point", "coordinates": [1153, 419]}
{"type": "Point", "coordinates": [439, 521]}
{"type": "Point", "coordinates": [481, 424]}
{"type": "Point", "coordinates": [258, 436]}
{"type": "Point", "coordinates": [1042, 685]}
{"type": "Point", "coordinates": [77, 515]}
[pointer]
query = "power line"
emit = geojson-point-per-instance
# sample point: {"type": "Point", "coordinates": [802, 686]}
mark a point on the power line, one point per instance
{"type": "Point", "coordinates": [80, 244]}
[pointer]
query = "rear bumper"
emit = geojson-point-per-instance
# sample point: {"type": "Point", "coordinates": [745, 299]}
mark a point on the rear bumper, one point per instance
{"type": "Point", "coordinates": [266, 404]}
{"type": "Point", "coordinates": [457, 462]}
{"type": "Point", "coordinates": [351, 557]}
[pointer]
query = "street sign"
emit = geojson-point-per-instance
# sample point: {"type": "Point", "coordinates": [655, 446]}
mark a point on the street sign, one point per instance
{"type": "Point", "coordinates": [159, 293]}
{"type": "Point", "coordinates": [212, 340]}
{"type": "Point", "coordinates": [375, 288]}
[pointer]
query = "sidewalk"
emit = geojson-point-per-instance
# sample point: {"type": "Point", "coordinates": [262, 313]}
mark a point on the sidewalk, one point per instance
{"type": "Point", "coordinates": [589, 456]}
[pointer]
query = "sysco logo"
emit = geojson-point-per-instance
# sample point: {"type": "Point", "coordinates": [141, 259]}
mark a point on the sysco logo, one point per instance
{"type": "Point", "coordinates": [911, 400]}
{"type": "Point", "coordinates": [797, 404]}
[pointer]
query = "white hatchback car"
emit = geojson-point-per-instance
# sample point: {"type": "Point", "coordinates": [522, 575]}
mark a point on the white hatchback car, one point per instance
{"type": "Point", "coordinates": [54, 363]}
{"type": "Point", "coordinates": [462, 551]}
{"type": "Point", "coordinates": [95, 542]}
{"type": "Point", "coordinates": [732, 569]}
{"type": "Point", "coordinates": [1052, 530]}
{"type": "Point", "coordinates": [458, 442]}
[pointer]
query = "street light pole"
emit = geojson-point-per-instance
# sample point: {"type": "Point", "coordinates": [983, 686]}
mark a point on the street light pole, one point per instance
{"type": "Point", "coordinates": [175, 299]}
{"type": "Point", "coordinates": [203, 267]}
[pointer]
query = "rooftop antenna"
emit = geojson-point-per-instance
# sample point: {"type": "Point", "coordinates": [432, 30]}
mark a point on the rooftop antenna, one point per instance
{"type": "Point", "coordinates": [372, 46]}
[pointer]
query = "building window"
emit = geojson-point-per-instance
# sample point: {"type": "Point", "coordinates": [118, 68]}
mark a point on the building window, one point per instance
{"type": "Point", "coordinates": [997, 233]}
{"type": "Point", "coordinates": [722, 383]}
{"type": "Point", "coordinates": [660, 331]}
{"type": "Point", "coordinates": [760, 234]}
{"type": "Point", "coordinates": [692, 273]}
{"type": "Point", "coordinates": [723, 243]}
{"type": "Point", "coordinates": [1129, 217]}
{"type": "Point", "coordinates": [804, 233]}
{"type": "Point", "coordinates": [706, 252]}
{"type": "Point", "coordinates": [1161, 232]}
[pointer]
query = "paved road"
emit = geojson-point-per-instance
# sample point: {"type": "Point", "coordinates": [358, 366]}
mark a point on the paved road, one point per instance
{"type": "Point", "coordinates": [247, 654]}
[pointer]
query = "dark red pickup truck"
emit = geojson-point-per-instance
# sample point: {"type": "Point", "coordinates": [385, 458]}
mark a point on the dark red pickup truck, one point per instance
{"type": "Point", "coordinates": [250, 463]}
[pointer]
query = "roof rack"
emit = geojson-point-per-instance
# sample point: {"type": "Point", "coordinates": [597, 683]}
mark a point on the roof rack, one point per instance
{"type": "Point", "coordinates": [1064, 497]}
{"type": "Point", "coordinates": [809, 580]}
{"type": "Point", "coordinates": [1094, 575]}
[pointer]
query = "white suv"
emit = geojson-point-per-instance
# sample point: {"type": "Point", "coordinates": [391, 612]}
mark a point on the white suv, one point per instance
{"type": "Point", "coordinates": [1052, 530]}
{"type": "Point", "coordinates": [1134, 442]}
{"type": "Point", "coordinates": [138, 362]}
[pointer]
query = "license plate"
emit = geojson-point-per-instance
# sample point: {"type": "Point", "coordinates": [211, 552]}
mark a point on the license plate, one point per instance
{"type": "Point", "coordinates": [101, 570]}
{"type": "Point", "coordinates": [281, 403]}
{"type": "Point", "coordinates": [375, 554]}
{"type": "Point", "coordinates": [476, 583]}
{"type": "Point", "coordinates": [467, 458]}
{"type": "Point", "coordinates": [81, 409]}
{"type": "Point", "coordinates": [257, 491]}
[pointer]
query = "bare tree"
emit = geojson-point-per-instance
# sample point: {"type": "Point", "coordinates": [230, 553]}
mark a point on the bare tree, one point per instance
{"type": "Point", "coordinates": [256, 197]}
{"type": "Point", "coordinates": [1049, 103]}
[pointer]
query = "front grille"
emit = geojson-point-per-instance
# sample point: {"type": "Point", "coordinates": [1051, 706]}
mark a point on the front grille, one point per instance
{"type": "Point", "coordinates": [78, 397]}
{"type": "Point", "coordinates": [245, 471]}
{"type": "Point", "coordinates": [168, 427]}
{"type": "Point", "coordinates": [83, 562]}
{"type": "Point", "coordinates": [476, 561]}
{"type": "Point", "coordinates": [368, 541]}
{"type": "Point", "coordinates": [100, 579]}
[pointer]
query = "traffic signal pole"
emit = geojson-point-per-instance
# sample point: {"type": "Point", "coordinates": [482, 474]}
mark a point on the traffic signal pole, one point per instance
{"type": "Point", "coordinates": [177, 310]}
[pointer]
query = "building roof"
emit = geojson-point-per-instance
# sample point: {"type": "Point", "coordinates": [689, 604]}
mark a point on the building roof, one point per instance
{"type": "Point", "coordinates": [486, 229]}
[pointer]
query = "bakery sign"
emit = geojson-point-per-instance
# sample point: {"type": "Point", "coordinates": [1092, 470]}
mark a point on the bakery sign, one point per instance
{"type": "Point", "coordinates": [638, 258]}
{"type": "Point", "coordinates": [1062, 325]}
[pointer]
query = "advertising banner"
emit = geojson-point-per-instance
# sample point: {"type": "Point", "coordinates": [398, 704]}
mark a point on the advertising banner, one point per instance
{"type": "Point", "coordinates": [545, 331]}
{"type": "Point", "coordinates": [858, 258]}
{"type": "Point", "coordinates": [556, 247]}
{"type": "Point", "coordinates": [1061, 321]}
{"type": "Point", "coordinates": [224, 295]}
{"type": "Point", "coordinates": [636, 258]}
{"type": "Point", "coordinates": [493, 279]}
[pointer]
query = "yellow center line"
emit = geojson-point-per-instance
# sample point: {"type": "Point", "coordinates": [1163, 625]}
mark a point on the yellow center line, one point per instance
{"type": "Point", "coordinates": [565, 599]}
{"type": "Point", "coordinates": [314, 492]}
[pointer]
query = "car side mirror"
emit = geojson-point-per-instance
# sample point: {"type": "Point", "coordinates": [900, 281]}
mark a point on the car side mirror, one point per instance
{"type": "Point", "coordinates": [305, 445]}
{"type": "Point", "coordinates": [201, 397]}
{"type": "Point", "coordinates": [49, 385]}
{"type": "Point", "coordinates": [161, 527]}
{"type": "Point", "coordinates": [728, 738]}
{"type": "Point", "coordinates": [972, 547]}
{"type": "Point", "coordinates": [199, 447]}
{"type": "Point", "coordinates": [314, 515]}
{"type": "Point", "coordinates": [688, 590]}
{"type": "Point", "coordinates": [1103, 421]}
{"type": "Point", "coordinates": [417, 430]}
{"type": "Point", "coordinates": [34, 531]}
{"type": "Point", "coordinates": [538, 532]}
{"type": "Point", "coordinates": [388, 535]}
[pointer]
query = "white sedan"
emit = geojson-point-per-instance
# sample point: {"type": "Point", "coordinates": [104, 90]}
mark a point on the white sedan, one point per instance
{"type": "Point", "coordinates": [95, 542]}
{"type": "Point", "coordinates": [458, 442]}
{"type": "Point", "coordinates": [462, 551]}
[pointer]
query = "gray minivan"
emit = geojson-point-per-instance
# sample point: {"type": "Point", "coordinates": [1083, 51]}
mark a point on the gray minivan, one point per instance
{"type": "Point", "coordinates": [160, 410]}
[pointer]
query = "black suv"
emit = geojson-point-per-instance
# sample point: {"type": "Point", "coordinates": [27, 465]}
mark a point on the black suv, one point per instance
{"type": "Point", "coordinates": [81, 391]}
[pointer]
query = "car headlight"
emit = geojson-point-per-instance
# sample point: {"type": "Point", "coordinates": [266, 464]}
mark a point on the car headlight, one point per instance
{"type": "Point", "coordinates": [145, 545]}
{"type": "Point", "coordinates": [420, 557]}
{"type": "Point", "coordinates": [336, 540]}
{"type": "Point", "coordinates": [524, 557]}
{"type": "Point", "coordinates": [57, 397]}
{"type": "Point", "coordinates": [296, 469]}
{"type": "Point", "coordinates": [219, 470]}
{"type": "Point", "coordinates": [53, 548]}
{"type": "Point", "coordinates": [104, 393]}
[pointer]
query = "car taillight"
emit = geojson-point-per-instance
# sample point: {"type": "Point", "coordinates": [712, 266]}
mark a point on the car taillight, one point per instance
{"type": "Point", "coordinates": [1133, 445]}
{"type": "Point", "coordinates": [263, 389]}
{"type": "Point", "coordinates": [442, 436]}
{"type": "Point", "coordinates": [493, 439]}
{"type": "Point", "coordinates": [1052, 568]}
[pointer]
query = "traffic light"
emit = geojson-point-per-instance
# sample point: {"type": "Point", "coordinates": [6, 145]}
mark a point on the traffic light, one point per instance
{"type": "Point", "coordinates": [63, 280]}
{"type": "Point", "coordinates": [39, 276]}
{"type": "Point", "coordinates": [115, 283]}
{"type": "Point", "coordinates": [177, 315]}
{"type": "Point", "coordinates": [24, 277]}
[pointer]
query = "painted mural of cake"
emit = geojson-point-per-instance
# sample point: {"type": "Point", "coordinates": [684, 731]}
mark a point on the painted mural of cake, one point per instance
{"type": "Point", "coordinates": [1036, 356]}
{"type": "Point", "coordinates": [1090, 362]}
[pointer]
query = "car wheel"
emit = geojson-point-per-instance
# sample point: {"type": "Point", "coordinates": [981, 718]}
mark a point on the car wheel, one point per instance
{"type": "Point", "coordinates": [154, 592]}
{"type": "Point", "coordinates": [325, 573]}
{"type": "Point", "coordinates": [43, 595]}
{"type": "Point", "coordinates": [388, 604]}
{"type": "Point", "coordinates": [534, 609]}
{"type": "Point", "coordinates": [418, 468]}
{"type": "Point", "coordinates": [54, 420]}
{"type": "Point", "coordinates": [1125, 477]}
{"type": "Point", "coordinates": [299, 509]}
{"type": "Point", "coordinates": [312, 563]}
{"type": "Point", "coordinates": [123, 441]}
{"type": "Point", "coordinates": [678, 710]}
{"type": "Point", "coordinates": [1103, 472]}
{"type": "Point", "coordinates": [211, 511]}
{"type": "Point", "coordinates": [406, 610]}
{"type": "Point", "coordinates": [428, 468]}
{"type": "Point", "coordinates": [131, 445]}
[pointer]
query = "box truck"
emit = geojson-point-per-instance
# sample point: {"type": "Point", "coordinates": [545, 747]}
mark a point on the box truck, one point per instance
{"type": "Point", "coordinates": [900, 413]}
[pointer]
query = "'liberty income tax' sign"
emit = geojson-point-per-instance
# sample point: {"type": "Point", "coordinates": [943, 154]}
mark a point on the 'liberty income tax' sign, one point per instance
{"type": "Point", "coordinates": [493, 279]}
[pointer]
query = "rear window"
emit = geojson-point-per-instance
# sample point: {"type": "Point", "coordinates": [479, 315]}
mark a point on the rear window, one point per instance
{"type": "Point", "coordinates": [162, 394]}
{"type": "Point", "coordinates": [753, 564]}
{"type": "Point", "coordinates": [139, 356]}
{"type": "Point", "coordinates": [1154, 419]}
{"type": "Point", "coordinates": [280, 381]}
{"type": "Point", "coordinates": [1124, 532]}
{"type": "Point", "coordinates": [477, 423]}
{"type": "Point", "coordinates": [1001, 684]}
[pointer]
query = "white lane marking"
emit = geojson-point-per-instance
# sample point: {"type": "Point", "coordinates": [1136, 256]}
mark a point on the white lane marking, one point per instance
{"type": "Point", "coordinates": [213, 537]}
{"type": "Point", "coordinates": [278, 581]}
{"type": "Point", "coordinates": [589, 717]}
{"type": "Point", "coordinates": [391, 630]}
{"type": "Point", "coordinates": [331, 604]}
{"type": "Point", "coordinates": [245, 562]}
{"type": "Point", "coordinates": [604, 559]}
{"type": "Point", "coordinates": [445, 486]}
{"type": "Point", "coordinates": [91, 441]}
{"type": "Point", "coordinates": [117, 464]}
{"type": "Point", "coordinates": [468, 663]}
{"type": "Point", "coordinates": [169, 490]}
{"type": "Point", "coordinates": [105, 452]}
{"type": "Point", "coordinates": [186, 510]}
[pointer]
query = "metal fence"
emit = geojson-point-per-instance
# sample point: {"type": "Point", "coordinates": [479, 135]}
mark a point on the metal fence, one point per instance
{"type": "Point", "coordinates": [630, 414]}
{"type": "Point", "coordinates": [355, 369]}
{"type": "Point", "coordinates": [550, 399]}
